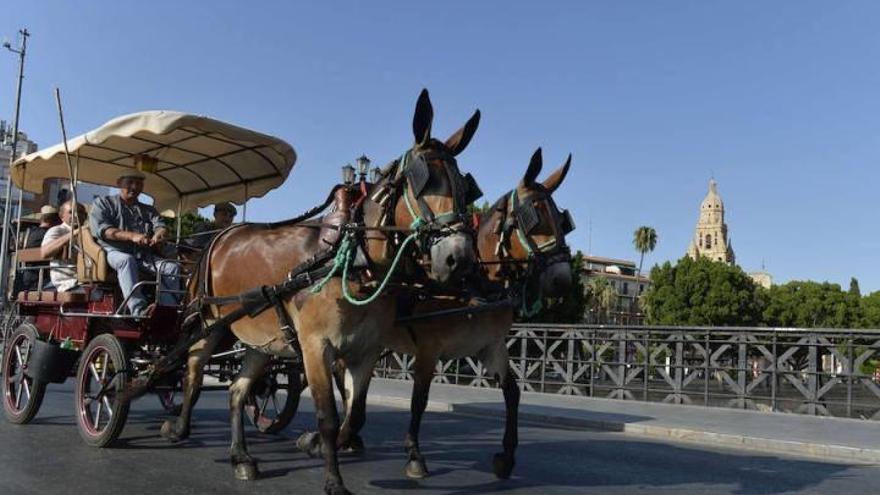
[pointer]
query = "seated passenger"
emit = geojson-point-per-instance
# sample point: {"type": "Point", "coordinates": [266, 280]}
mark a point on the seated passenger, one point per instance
{"type": "Point", "coordinates": [128, 230]}
{"type": "Point", "coordinates": [224, 214]}
{"type": "Point", "coordinates": [54, 241]}
{"type": "Point", "coordinates": [48, 218]}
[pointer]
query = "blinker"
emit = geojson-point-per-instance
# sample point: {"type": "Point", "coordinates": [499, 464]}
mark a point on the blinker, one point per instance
{"type": "Point", "coordinates": [472, 190]}
{"type": "Point", "coordinates": [418, 174]}
{"type": "Point", "coordinates": [527, 216]}
{"type": "Point", "coordinates": [567, 222]}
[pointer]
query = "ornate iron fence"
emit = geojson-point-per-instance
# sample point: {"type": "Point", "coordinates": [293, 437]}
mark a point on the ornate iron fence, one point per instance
{"type": "Point", "coordinates": [810, 371]}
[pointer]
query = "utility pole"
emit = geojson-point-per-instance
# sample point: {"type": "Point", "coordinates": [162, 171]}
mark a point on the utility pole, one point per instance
{"type": "Point", "coordinates": [4, 245]}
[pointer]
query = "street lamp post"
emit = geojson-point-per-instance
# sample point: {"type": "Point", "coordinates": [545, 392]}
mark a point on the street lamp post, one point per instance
{"type": "Point", "coordinates": [4, 245]}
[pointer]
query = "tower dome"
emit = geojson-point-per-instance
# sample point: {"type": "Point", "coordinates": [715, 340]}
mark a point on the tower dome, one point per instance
{"type": "Point", "coordinates": [712, 201]}
{"type": "Point", "coordinates": [710, 237]}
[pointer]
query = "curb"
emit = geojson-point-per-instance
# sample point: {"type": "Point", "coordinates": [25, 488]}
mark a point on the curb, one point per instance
{"type": "Point", "coordinates": [706, 438]}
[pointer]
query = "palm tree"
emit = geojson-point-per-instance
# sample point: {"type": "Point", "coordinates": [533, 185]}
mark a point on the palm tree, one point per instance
{"type": "Point", "coordinates": [644, 240]}
{"type": "Point", "coordinates": [601, 298]}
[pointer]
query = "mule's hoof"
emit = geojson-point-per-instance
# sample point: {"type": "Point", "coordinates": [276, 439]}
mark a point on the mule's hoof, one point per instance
{"type": "Point", "coordinates": [169, 431]}
{"type": "Point", "coordinates": [310, 443]}
{"type": "Point", "coordinates": [246, 471]}
{"type": "Point", "coordinates": [336, 490]}
{"type": "Point", "coordinates": [355, 446]}
{"type": "Point", "coordinates": [416, 469]}
{"type": "Point", "coordinates": [503, 464]}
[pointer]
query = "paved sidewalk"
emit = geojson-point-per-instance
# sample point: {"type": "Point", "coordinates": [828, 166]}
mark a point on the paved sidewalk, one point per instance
{"type": "Point", "coordinates": [828, 438]}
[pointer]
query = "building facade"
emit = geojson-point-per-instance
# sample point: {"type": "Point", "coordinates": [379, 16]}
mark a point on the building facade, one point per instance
{"type": "Point", "coordinates": [23, 147]}
{"type": "Point", "coordinates": [623, 306]}
{"type": "Point", "coordinates": [711, 239]}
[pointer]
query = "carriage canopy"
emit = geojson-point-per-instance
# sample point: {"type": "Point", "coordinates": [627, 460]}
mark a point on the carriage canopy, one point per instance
{"type": "Point", "coordinates": [198, 161]}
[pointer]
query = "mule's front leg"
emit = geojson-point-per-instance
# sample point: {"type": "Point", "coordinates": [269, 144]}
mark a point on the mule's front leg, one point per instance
{"type": "Point", "coordinates": [318, 361]}
{"type": "Point", "coordinates": [178, 429]}
{"type": "Point", "coordinates": [355, 385]}
{"type": "Point", "coordinates": [503, 462]}
{"type": "Point", "coordinates": [252, 369]}
{"type": "Point", "coordinates": [422, 376]}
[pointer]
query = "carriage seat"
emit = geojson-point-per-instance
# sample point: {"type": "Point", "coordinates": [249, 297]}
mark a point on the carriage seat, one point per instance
{"type": "Point", "coordinates": [91, 264]}
{"type": "Point", "coordinates": [52, 296]}
{"type": "Point", "coordinates": [33, 255]}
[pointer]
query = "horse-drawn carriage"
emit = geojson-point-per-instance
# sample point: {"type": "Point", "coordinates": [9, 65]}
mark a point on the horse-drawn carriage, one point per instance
{"type": "Point", "coordinates": [190, 161]}
{"type": "Point", "coordinates": [398, 262]}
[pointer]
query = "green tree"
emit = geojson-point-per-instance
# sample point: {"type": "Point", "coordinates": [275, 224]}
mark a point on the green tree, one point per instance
{"type": "Point", "coordinates": [473, 208]}
{"type": "Point", "coordinates": [870, 305]}
{"type": "Point", "coordinates": [189, 221]}
{"type": "Point", "coordinates": [644, 240]}
{"type": "Point", "coordinates": [854, 287]}
{"type": "Point", "coordinates": [600, 300]}
{"type": "Point", "coordinates": [702, 292]}
{"type": "Point", "coordinates": [809, 304]}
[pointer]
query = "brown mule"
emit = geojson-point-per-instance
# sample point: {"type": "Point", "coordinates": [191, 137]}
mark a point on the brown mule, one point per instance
{"type": "Point", "coordinates": [521, 241]}
{"type": "Point", "coordinates": [328, 326]}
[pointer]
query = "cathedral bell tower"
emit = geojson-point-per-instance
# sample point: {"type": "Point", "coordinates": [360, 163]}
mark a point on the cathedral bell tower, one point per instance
{"type": "Point", "coordinates": [710, 239]}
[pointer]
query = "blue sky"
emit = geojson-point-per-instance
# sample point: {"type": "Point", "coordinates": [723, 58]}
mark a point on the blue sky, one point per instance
{"type": "Point", "coordinates": [777, 100]}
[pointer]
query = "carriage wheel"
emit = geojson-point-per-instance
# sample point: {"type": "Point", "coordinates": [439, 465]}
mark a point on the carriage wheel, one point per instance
{"type": "Point", "coordinates": [273, 401]}
{"type": "Point", "coordinates": [100, 380]}
{"type": "Point", "coordinates": [22, 395]}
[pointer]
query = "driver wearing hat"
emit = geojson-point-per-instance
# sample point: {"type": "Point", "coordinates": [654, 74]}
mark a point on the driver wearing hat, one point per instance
{"type": "Point", "coordinates": [128, 230]}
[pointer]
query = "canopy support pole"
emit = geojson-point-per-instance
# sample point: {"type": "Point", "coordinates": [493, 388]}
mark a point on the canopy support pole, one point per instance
{"type": "Point", "coordinates": [179, 218]}
{"type": "Point", "coordinates": [71, 173]}
{"type": "Point", "coordinates": [14, 269]}
{"type": "Point", "coordinates": [244, 204]}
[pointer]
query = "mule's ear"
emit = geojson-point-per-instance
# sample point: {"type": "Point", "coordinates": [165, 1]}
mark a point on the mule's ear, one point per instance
{"type": "Point", "coordinates": [534, 169]}
{"type": "Point", "coordinates": [558, 176]}
{"type": "Point", "coordinates": [422, 119]}
{"type": "Point", "coordinates": [459, 141]}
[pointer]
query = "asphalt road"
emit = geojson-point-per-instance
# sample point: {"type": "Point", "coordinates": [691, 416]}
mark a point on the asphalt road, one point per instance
{"type": "Point", "coordinates": [47, 457]}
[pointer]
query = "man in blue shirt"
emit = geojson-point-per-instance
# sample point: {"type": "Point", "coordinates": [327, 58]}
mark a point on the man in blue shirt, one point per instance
{"type": "Point", "coordinates": [128, 230]}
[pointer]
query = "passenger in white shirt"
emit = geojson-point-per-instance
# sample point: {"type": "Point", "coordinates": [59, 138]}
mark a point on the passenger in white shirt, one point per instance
{"type": "Point", "coordinates": [56, 238]}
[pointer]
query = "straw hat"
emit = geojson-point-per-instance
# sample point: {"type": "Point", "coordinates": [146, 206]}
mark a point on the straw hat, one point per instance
{"type": "Point", "coordinates": [131, 174]}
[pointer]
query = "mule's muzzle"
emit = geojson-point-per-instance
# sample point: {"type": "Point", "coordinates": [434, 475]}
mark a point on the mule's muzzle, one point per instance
{"type": "Point", "coordinates": [453, 258]}
{"type": "Point", "coordinates": [556, 280]}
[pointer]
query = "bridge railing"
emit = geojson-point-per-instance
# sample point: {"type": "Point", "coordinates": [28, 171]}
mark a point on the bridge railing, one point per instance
{"type": "Point", "coordinates": [810, 371]}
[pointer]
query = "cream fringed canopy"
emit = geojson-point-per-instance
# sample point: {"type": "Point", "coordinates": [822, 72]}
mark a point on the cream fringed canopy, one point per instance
{"type": "Point", "coordinates": [200, 161]}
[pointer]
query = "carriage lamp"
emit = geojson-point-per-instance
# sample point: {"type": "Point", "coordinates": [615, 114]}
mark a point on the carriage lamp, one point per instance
{"type": "Point", "coordinates": [375, 175]}
{"type": "Point", "coordinates": [363, 164]}
{"type": "Point", "coordinates": [146, 163]}
{"type": "Point", "coordinates": [348, 174]}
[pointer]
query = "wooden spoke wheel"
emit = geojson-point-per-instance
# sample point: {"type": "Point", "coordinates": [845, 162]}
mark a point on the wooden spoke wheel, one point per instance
{"type": "Point", "coordinates": [22, 395]}
{"type": "Point", "coordinates": [273, 400]}
{"type": "Point", "coordinates": [100, 380]}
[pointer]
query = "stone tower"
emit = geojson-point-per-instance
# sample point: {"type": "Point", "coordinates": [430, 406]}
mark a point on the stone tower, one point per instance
{"type": "Point", "coordinates": [710, 239]}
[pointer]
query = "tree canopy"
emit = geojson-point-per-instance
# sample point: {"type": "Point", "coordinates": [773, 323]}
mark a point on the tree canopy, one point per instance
{"type": "Point", "coordinates": [811, 305]}
{"type": "Point", "coordinates": [702, 292]}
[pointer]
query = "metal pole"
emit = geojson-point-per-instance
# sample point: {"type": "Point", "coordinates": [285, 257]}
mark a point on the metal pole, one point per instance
{"type": "Point", "coordinates": [71, 172]}
{"type": "Point", "coordinates": [4, 244]}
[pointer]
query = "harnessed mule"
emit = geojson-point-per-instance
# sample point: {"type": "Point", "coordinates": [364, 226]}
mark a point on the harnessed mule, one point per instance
{"type": "Point", "coordinates": [521, 242]}
{"type": "Point", "coordinates": [422, 196]}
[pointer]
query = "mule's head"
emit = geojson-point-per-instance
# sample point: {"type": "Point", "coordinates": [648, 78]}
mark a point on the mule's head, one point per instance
{"type": "Point", "coordinates": [534, 229]}
{"type": "Point", "coordinates": [425, 190]}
